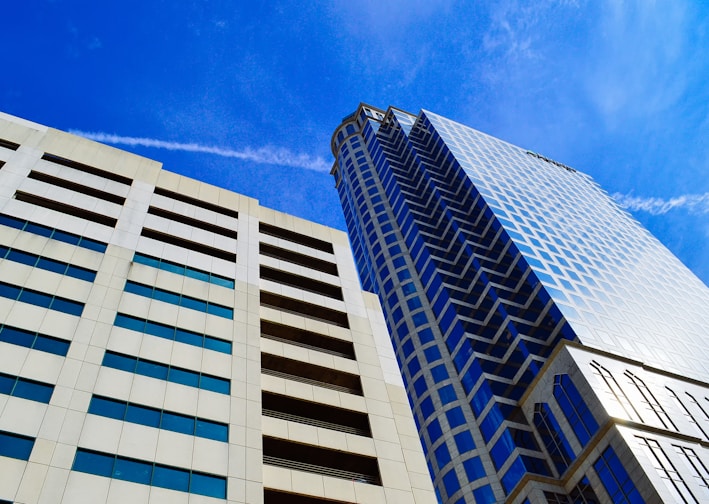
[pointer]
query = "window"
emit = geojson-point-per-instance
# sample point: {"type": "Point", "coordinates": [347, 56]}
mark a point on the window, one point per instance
{"type": "Point", "coordinates": [197, 202]}
{"type": "Point", "coordinates": [188, 244]}
{"type": "Point", "coordinates": [651, 401]}
{"type": "Point", "coordinates": [199, 224]}
{"type": "Point", "coordinates": [166, 372]}
{"type": "Point", "coordinates": [301, 282]}
{"type": "Point", "coordinates": [161, 419]}
{"type": "Point", "coordinates": [8, 144]}
{"type": "Point", "coordinates": [304, 309]}
{"type": "Point", "coordinates": [696, 468]}
{"type": "Point", "coordinates": [183, 270]}
{"type": "Point", "coordinates": [46, 263]}
{"type": "Point", "coordinates": [178, 299]}
{"type": "Point", "coordinates": [58, 206]}
{"type": "Point", "coordinates": [40, 299]}
{"type": "Point", "coordinates": [616, 480]}
{"type": "Point", "coordinates": [298, 258]}
{"type": "Point", "coordinates": [15, 445]}
{"type": "Point", "coordinates": [574, 408]}
{"type": "Point", "coordinates": [86, 168]}
{"type": "Point", "coordinates": [33, 340]}
{"type": "Point", "coordinates": [307, 339]}
{"type": "Point", "coordinates": [54, 234]}
{"type": "Point", "coordinates": [25, 388]}
{"type": "Point", "coordinates": [172, 333]}
{"type": "Point", "coordinates": [615, 389]}
{"type": "Point", "coordinates": [149, 473]}
{"type": "Point", "coordinates": [292, 236]}
{"type": "Point", "coordinates": [73, 186]}
{"type": "Point", "coordinates": [553, 437]}
{"type": "Point", "coordinates": [667, 471]}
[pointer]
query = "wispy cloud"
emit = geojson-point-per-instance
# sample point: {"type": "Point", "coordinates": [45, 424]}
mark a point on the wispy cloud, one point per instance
{"type": "Point", "coordinates": [693, 203]}
{"type": "Point", "coordinates": [263, 155]}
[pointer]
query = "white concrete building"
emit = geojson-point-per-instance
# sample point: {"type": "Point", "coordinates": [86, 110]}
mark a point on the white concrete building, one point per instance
{"type": "Point", "coordinates": [163, 340]}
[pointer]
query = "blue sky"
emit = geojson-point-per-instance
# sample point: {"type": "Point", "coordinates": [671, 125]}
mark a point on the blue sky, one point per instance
{"type": "Point", "coordinates": [245, 95]}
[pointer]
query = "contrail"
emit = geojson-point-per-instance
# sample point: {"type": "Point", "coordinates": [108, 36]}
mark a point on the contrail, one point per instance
{"type": "Point", "coordinates": [264, 155]}
{"type": "Point", "coordinates": [693, 203]}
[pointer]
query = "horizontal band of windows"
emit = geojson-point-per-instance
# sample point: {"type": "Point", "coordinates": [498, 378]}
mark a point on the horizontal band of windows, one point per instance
{"type": "Point", "coordinates": [280, 497]}
{"type": "Point", "coordinates": [197, 202]}
{"type": "Point", "coordinates": [66, 209]}
{"type": "Point", "coordinates": [188, 244]}
{"type": "Point", "coordinates": [316, 414]}
{"type": "Point", "coordinates": [54, 234]}
{"type": "Point", "coordinates": [160, 419]}
{"type": "Point", "coordinates": [178, 299]}
{"type": "Point", "coordinates": [172, 333]}
{"type": "Point", "coordinates": [305, 372]}
{"type": "Point", "coordinates": [149, 473]}
{"type": "Point", "coordinates": [314, 459]}
{"type": "Point", "coordinates": [294, 237]}
{"type": "Point", "coordinates": [33, 340]}
{"type": "Point", "coordinates": [180, 269]}
{"type": "Point", "coordinates": [86, 168]}
{"type": "Point", "coordinates": [166, 372]}
{"type": "Point", "coordinates": [73, 186]}
{"type": "Point", "coordinates": [304, 309]}
{"type": "Point", "coordinates": [25, 388]}
{"type": "Point", "coordinates": [15, 446]}
{"type": "Point", "coordinates": [8, 144]}
{"type": "Point", "coordinates": [298, 258]}
{"type": "Point", "coordinates": [301, 282]}
{"type": "Point", "coordinates": [46, 263]}
{"type": "Point", "coordinates": [40, 299]}
{"type": "Point", "coordinates": [190, 221]}
{"type": "Point", "coordinates": [307, 339]}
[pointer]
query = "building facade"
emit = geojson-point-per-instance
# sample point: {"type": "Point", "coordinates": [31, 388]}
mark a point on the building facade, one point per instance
{"type": "Point", "coordinates": [552, 349]}
{"type": "Point", "coordinates": [163, 340]}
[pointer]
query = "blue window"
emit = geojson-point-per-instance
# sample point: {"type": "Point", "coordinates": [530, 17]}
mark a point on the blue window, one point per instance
{"type": "Point", "coordinates": [464, 441]}
{"type": "Point", "coordinates": [179, 299]}
{"type": "Point", "coordinates": [439, 373]}
{"type": "Point", "coordinates": [33, 340]}
{"type": "Point", "coordinates": [52, 233]}
{"type": "Point", "coordinates": [575, 409]}
{"type": "Point", "coordinates": [432, 354]}
{"type": "Point", "coordinates": [149, 473]}
{"type": "Point", "coordinates": [153, 417]}
{"type": "Point", "coordinates": [484, 495]}
{"type": "Point", "coordinates": [434, 430]}
{"type": "Point", "coordinates": [474, 468]}
{"type": "Point", "coordinates": [616, 480]}
{"type": "Point", "coordinates": [15, 445]}
{"type": "Point", "coordinates": [554, 440]}
{"type": "Point", "coordinates": [455, 417]}
{"type": "Point", "coordinates": [25, 388]}
{"type": "Point", "coordinates": [443, 456]}
{"type": "Point", "coordinates": [166, 372]}
{"type": "Point", "coordinates": [41, 299]}
{"type": "Point", "coordinates": [447, 394]}
{"type": "Point", "coordinates": [47, 264]}
{"type": "Point", "coordinates": [450, 481]}
{"type": "Point", "coordinates": [172, 333]}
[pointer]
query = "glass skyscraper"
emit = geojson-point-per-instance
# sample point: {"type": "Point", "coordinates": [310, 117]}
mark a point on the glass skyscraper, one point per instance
{"type": "Point", "coordinates": [552, 349]}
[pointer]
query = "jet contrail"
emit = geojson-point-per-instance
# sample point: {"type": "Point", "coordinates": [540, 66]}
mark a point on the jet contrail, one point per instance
{"type": "Point", "coordinates": [693, 203]}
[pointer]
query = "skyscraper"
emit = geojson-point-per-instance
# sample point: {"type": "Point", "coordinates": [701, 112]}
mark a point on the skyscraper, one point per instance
{"type": "Point", "coordinates": [552, 349]}
{"type": "Point", "coordinates": [167, 341]}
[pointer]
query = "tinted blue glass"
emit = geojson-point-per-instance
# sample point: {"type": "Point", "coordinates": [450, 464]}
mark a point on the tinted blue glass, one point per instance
{"type": "Point", "coordinates": [172, 267]}
{"type": "Point", "coordinates": [17, 336]}
{"type": "Point", "coordinates": [198, 275]}
{"type": "Point", "coordinates": [66, 237]}
{"type": "Point", "coordinates": [67, 306]}
{"type": "Point", "coordinates": [464, 441]}
{"type": "Point", "coordinates": [184, 336]}
{"type": "Point", "coordinates": [178, 423]}
{"type": "Point", "coordinates": [220, 311]}
{"type": "Point", "coordinates": [15, 446]}
{"type": "Point", "coordinates": [129, 322]}
{"type": "Point", "coordinates": [38, 229]}
{"type": "Point", "coordinates": [224, 282]}
{"type": "Point", "coordinates": [33, 390]}
{"type": "Point", "coordinates": [81, 273]}
{"type": "Point", "coordinates": [141, 290]}
{"type": "Point", "coordinates": [434, 430]}
{"type": "Point", "coordinates": [9, 291]}
{"type": "Point", "coordinates": [93, 245]}
{"type": "Point", "coordinates": [51, 345]}
{"type": "Point", "coordinates": [217, 344]}
{"type": "Point", "coordinates": [193, 304]}
{"type": "Point", "coordinates": [484, 495]}
{"type": "Point", "coordinates": [184, 377]}
{"type": "Point", "coordinates": [152, 369]}
{"type": "Point", "coordinates": [143, 415]}
{"type": "Point", "coordinates": [3, 251]}
{"type": "Point", "coordinates": [169, 477]}
{"type": "Point", "coordinates": [35, 298]}
{"type": "Point", "coordinates": [432, 354]}
{"type": "Point", "coordinates": [143, 259]}
{"type": "Point", "coordinates": [11, 222]}
{"type": "Point", "coordinates": [443, 456]}
{"type": "Point", "coordinates": [439, 373]}
{"type": "Point", "coordinates": [447, 394]}
{"type": "Point", "coordinates": [7, 383]}
{"type": "Point", "coordinates": [455, 417]}
{"type": "Point", "coordinates": [474, 468]}
{"type": "Point", "coordinates": [52, 265]}
{"type": "Point", "coordinates": [22, 257]}
{"type": "Point", "coordinates": [165, 296]}
{"type": "Point", "coordinates": [513, 475]}
{"type": "Point", "coordinates": [93, 463]}
{"type": "Point", "coordinates": [615, 479]}
{"type": "Point", "coordinates": [420, 386]}
{"type": "Point", "coordinates": [450, 481]}
{"type": "Point", "coordinates": [212, 430]}
{"type": "Point", "coordinates": [118, 361]}
{"type": "Point", "coordinates": [159, 330]}
{"type": "Point", "coordinates": [107, 407]}
{"type": "Point", "coordinates": [206, 484]}
{"type": "Point", "coordinates": [427, 407]}
{"type": "Point", "coordinates": [133, 470]}
{"type": "Point", "coordinates": [574, 408]}
{"type": "Point", "coordinates": [215, 384]}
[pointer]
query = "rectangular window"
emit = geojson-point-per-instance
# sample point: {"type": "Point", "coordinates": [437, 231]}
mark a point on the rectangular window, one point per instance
{"type": "Point", "coordinates": [616, 480]}
{"type": "Point", "coordinates": [41, 299]}
{"type": "Point", "coordinates": [188, 244]}
{"type": "Point", "coordinates": [298, 258]}
{"type": "Point", "coordinates": [149, 473]}
{"type": "Point", "coordinates": [86, 168]}
{"type": "Point", "coordinates": [8, 144]}
{"type": "Point", "coordinates": [294, 237]}
{"type": "Point", "coordinates": [197, 202]}
{"type": "Point", "coordinates": [33, 340]}
{"type": "Point", "coordinates": [25, 388]}
{"type": "Point", "coordinates": [54, 234]}
{"type": "Point", "coordinates": [15, 445]}
{"type": "Point", "coordinates": [73, 186]}
{"type": "Point", "coordinates": [301, 282]}
{"type": "Point", "coordinates": [166, 372]}
{"type": "Point", "coordinates": [183, 270]}
{"type": "Point", "coordinates": [57, 206]}
{"type": "Point", "coordinates": [190, 221]}
{"type": "Point", "coordinates": [179, 299]}
{"type": "Point", "coordinates": [172, 333]}
{"type": "Point", "coordinates": [161, 419]}
{"type": "Point", "coordinates": [45, 263]}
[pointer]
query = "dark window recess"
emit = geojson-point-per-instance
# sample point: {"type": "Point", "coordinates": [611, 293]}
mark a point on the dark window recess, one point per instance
{"type": "Point", "coordinates": [297, 258]}
{"type": "Point", "coordinates": [64, 208]}
{"type": "Point", "coordinates": [292, 236]}
{"type": "Point", "coordinates": [188, 244]}
{"type": "Point", "coordinates": [311, 374]}
{"type": "Point", "coordinates": [87, 169]}
{"type": "Point", "coordinates": [279, 497]}
{"type": "Point", "coordinates": [192, 222]}
{"type": "Point", "coordinates": [302, 457]}
{"type": "Point", "coordinates": [73, 186]}
{"type": "Point", "coordinates": [319, 415]}
{"type": "Point", "coordinates": [304, 309]}
{"type": "Point", "coordinates": [307, 339]}
{"type": "Point", "coordinates": [197, 202]}
{"type": "Point", "coordinates": [2, 163]}
{"type": "Point", "coordinates": [301, 282]}
{"type": "Point", "coordinates": [8, 144]}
